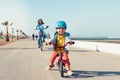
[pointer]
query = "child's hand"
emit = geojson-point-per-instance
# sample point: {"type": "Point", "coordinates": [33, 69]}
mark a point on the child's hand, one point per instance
{"type": "Point", "coordinates": [71, 42]}
{"type": "Point", "coordinates": [48, 41]}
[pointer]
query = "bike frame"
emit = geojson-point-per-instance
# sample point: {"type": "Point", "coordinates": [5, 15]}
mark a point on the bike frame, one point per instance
{"type": "Point", "coordinates": [61, 64]}
{"type": "Point", "coordinates": [60, 60]}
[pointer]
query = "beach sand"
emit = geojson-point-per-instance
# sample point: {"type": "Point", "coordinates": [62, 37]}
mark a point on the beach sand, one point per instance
{"type": "Point", "coordinates": [3, 42]}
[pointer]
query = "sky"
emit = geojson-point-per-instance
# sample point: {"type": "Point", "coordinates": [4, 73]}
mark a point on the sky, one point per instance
{"type": "Point", "coordinates": [84, 18]}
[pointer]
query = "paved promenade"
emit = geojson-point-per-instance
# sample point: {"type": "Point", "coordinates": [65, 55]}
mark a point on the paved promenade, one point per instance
{"type": "Point", "coordinates": [23, 60]}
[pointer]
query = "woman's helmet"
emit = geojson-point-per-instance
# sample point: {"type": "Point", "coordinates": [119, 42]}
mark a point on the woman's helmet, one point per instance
{"type": "Point", "coordinates": [61, 24]}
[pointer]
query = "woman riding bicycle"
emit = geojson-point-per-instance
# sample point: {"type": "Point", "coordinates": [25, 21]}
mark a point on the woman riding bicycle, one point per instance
{"type": "Point", "coordinates": [61, 37]}
{"type": "Point", "coordinates": [40, 31]}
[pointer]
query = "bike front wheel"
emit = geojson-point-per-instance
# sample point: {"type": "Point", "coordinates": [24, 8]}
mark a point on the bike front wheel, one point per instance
{"type": "Point", "coordinates": [61, 69]}
{"type": "Point", "coordinates": [41, 42]}
{"type": "Point", "coordinates": [41, 48]}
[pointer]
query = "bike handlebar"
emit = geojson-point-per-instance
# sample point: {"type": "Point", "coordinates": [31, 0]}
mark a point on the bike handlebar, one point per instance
{"type": "Point", "coordinates": [69, 42]}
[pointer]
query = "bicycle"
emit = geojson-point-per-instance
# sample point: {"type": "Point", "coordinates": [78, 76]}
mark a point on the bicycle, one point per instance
{"type": "Point", "coordinates": [60, 60]}
{"type": "Point", "coordinates": [41, 43]}
{"type": "Point", "coordinates": [40, 34]}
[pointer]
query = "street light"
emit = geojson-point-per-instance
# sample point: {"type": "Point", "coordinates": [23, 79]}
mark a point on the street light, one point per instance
{"type": "Point", "coordinates": [17, 34]}
{"type": "Point", "coordinates": [7, 24]}
{"type": "Point", "coordinates": [12, 33]}
{"type": "Point", "coordinates": [20, 34]}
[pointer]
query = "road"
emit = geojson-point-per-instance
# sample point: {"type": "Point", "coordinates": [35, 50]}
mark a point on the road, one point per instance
{"type": "Point", "coordinates": [23, 60]}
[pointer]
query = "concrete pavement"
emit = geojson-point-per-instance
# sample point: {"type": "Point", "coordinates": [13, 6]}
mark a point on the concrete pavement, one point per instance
{"type": "Point", "coordinates": [23, 60]}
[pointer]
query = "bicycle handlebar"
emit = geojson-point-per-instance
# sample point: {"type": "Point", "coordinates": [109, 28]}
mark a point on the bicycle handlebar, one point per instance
{"type": "Point", "coordinates": [69, 42]}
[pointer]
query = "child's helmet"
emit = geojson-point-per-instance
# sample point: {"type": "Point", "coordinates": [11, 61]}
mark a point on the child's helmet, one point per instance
{"type": "Point", "coordinates": [61, 24]}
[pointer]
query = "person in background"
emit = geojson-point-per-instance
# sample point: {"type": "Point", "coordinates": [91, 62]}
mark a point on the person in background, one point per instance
{"type": "Point", "coordinates": [33, 36]}
{"type": "Point", "coordinates": [40, 31]}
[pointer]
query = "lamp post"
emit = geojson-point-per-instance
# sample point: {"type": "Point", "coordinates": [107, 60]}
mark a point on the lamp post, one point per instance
{"type": "Point", "coordinates": [7, 34]}
{"type": "Point", "coordinates": [20, 34]}
{"type": "Point", "coordinates": [12, 33]}
{"type": "Point", "coordinates": [17, 34]}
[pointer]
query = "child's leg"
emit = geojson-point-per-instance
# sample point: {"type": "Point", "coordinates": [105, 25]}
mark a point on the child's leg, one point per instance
{"type": "Point", "coordinates": [67, 63]}
{"type": "Point", "coordinates": [52, 59]}
{"type": "Point", "coordinates": [66, 60]}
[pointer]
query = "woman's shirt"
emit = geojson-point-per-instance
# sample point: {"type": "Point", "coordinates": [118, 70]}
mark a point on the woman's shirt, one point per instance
{"type": "Point", "coordinates": [40, 29]}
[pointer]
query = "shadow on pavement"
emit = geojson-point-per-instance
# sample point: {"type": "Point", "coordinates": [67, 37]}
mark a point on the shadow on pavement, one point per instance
{"type": "Point", "coordinates": [15, 48]}
{"type": "Point", "coordinates": [91, 74]}
{"type": "Point", "coordinates": [44, 49]}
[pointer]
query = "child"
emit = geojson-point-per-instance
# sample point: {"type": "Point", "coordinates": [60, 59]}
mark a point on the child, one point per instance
{"type": "Point", "coordinates": [60, 38]}
{"type": "Point", "coordinates": [40, 30]}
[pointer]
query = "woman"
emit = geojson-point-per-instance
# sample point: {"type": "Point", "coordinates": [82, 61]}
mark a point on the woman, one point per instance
{"type": "Point", "coordinates": [40, 31]}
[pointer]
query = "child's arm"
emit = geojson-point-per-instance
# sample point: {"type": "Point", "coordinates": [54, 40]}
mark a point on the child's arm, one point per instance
{"type": "Point", "coordinates": [48, 41]}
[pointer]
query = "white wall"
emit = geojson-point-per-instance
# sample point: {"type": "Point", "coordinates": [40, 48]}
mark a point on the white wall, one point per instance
{"type": "Point", "coordinates": [101, 46]}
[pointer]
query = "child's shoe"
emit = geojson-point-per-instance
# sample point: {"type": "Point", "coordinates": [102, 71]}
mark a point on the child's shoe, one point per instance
{"type": "Point", "coordinates": [50, 66]}
{"type": "Point", "coordinates": [69, 72]}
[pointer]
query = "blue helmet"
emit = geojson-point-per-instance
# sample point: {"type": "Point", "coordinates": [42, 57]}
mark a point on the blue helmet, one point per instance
{"type": "Point", "coordinates": [61, 24]}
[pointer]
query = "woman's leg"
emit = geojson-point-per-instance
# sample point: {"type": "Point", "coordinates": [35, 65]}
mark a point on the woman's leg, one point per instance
{"type": "Point", "coordinates": [39, 41]}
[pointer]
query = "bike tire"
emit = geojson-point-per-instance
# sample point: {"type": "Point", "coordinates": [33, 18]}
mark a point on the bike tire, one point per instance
{"type": "Point", "coordinates": [61, 69]}
{"type": "Point", "coordinates": [41, 42]}
{"type": "Point", "coordinates": [41, 48]}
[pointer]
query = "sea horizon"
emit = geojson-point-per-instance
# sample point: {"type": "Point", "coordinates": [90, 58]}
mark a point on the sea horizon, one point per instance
{"type": "Point", "coordinates": [95, 38]}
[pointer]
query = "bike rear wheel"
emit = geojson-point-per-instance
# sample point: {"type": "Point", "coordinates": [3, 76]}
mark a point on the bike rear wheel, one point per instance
{"type": "Point", "coordinates": [61, 69]}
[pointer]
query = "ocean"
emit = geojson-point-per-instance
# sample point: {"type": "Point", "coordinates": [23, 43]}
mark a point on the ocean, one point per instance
{"type": "Point", "coordinates": [98, 39]}
{"type": "Point", "coordinates": [94, 38]}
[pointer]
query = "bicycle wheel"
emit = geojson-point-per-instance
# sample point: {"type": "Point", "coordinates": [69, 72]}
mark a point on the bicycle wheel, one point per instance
{"type": "Point", "coordinates": [41, 42]}
{"type": "Point", "coordinates": [41, 48]}
{"type": "Point", "coordinates": [61, 69]}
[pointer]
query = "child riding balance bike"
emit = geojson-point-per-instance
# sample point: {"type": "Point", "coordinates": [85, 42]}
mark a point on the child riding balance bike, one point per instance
{"type": "Point", "coordinates": [61, 37]}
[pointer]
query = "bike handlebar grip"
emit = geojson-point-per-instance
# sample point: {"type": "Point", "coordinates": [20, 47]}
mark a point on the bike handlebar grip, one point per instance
{"type": "Point", "coordinates": [48, 43]}
{"type": "Point", "coordinates": [47, 26]}
{"type": "Point", "coordinates": [73, 42]}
